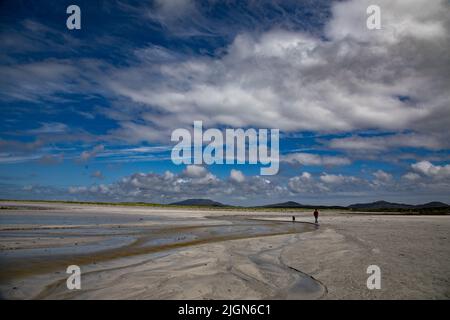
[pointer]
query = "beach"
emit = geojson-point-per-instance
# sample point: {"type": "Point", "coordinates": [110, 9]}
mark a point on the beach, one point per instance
{"type": "Point", "coordinates": [128, 252]}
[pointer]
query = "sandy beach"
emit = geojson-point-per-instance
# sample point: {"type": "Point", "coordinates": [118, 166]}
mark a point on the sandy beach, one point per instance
{"type": "Point", "coordinates": [157, 253]}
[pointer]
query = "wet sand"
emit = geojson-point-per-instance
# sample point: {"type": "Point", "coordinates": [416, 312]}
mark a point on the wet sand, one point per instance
{"type": "Point", "coordinates": [158, 253]}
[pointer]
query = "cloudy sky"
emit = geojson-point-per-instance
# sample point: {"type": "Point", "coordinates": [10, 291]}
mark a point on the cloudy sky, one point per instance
{"type": "Point", "coordinates": [363, 114]}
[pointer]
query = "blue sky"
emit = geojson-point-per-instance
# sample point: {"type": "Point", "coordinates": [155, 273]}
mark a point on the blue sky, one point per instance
{"type": "Point", "coordinates": [87, 114]}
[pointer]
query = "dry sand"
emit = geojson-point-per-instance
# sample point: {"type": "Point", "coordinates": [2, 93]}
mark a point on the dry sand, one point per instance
{"type": "Point", "coordinates": [158, 253]}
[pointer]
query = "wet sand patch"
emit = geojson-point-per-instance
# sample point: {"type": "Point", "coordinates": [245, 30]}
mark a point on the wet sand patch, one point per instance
{"type": "Point", "coordinates": [32, 250]}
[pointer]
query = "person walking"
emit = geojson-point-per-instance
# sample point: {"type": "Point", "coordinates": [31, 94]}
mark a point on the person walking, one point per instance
{"type": "Point", "coordinates": [316, 215]}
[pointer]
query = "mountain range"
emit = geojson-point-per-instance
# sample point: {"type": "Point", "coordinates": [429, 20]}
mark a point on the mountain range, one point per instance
{"type": "Point", "coordinates": [377, 205]}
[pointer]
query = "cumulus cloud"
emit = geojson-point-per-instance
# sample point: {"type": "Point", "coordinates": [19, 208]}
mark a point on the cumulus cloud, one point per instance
{"type": "Point", "coordinates": [194, 171]}
{"type": "Point", "coordinates": [239, 189]}
{"type": "Point", "coordinates": [424, 179]}
{"type": "Point", "coordinates": [428, 169]}
{"type": "Point", "coordinates": [335, 178]}
{"type": "Point", "coordinates": [194, 181]}
{"type": "Point", "coordinates": [325, 183]}
{"type": "Point", "coordinates": [411, 176]}
{"type": "Point", "coordinates": [237, 176]}
{"type": "Point", "coordinates": [383, 176]}
{"type": "Point", "coordinates": [305, 183]}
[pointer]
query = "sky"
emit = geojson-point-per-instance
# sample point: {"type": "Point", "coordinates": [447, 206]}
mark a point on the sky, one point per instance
{"type": "Point", "coordinates": [88, 114]}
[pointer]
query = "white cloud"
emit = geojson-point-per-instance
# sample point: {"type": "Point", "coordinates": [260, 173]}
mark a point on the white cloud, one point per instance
{"type": "Point", "coordinates": [352, 80]}
{"type": "Point", "coordinates": [382, 176]}
{"type": "Point", "coordinates": [382, 179]}
{"type": "Point", "coordinates": [237, 176]}
{"type": "Point", "coordinates": [382, 143]}
{"type": "Point", "coordinates": [428, 169]}
{"type": "Point", "coordinates": [400, 19]}
{"type": "Point", "coordinates": [337, 178]}
{"type": "Point", "coordinates": [305, 183]}
{"type": "Point", "coordinates": [168, 186]}
{"type": "Point", "coordinates": [411, 176]}
{"type": "Point", "coordinates": [195, 171]}
{"type": "Point", "coordinates": [349, 82]}
{"type": "Point", "coordinates": [194, 181]}
{"type": "Point", "coordinates": [326, 183]}
{"type": "Point", "coordinates": [309, 159]}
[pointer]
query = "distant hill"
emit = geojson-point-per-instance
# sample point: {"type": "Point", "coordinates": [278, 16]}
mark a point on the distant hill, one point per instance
{"type": "Point", "coordinates": [382, 205]}
{"type": "Point", "coordinates": [199, 202]}
{"type": "Point", "coordinates": [287, 204]}
{"type": "Point", "coordinates": [371, 206]}
{"type": "Point", "coordinates": [293, 204]}
{"type": "Point", "coordinates": [433, 204]}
